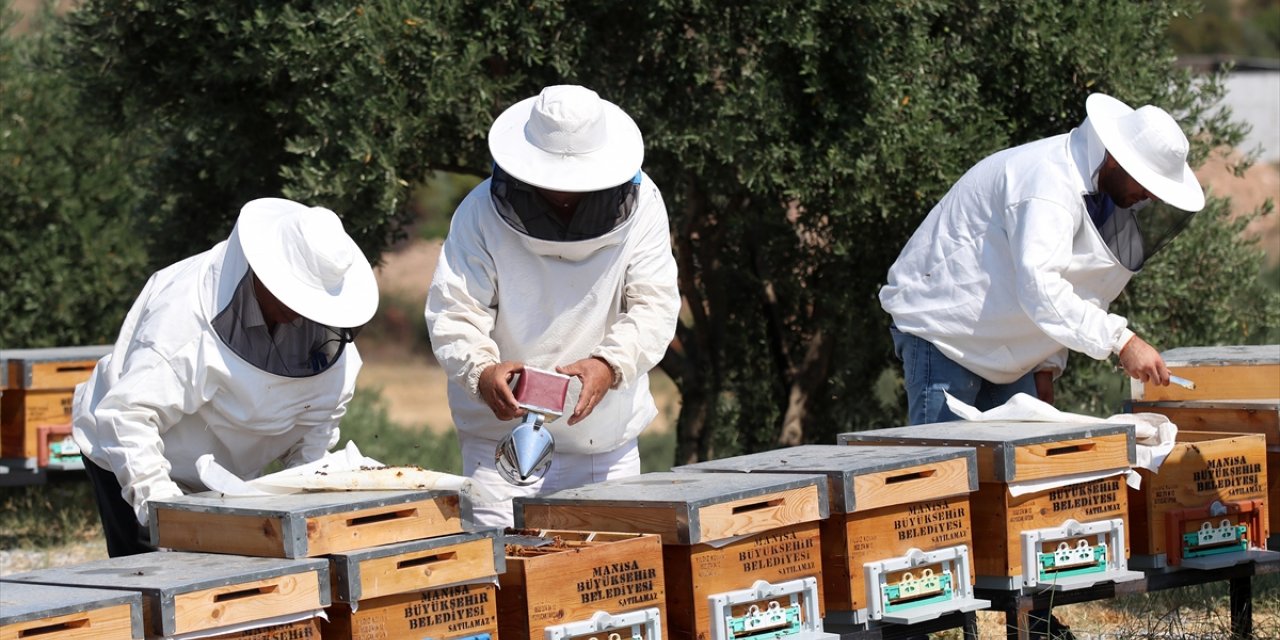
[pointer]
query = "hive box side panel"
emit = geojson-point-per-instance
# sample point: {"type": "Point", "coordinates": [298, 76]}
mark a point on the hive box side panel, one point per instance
{"type": "Point", "coordinates": [1216, 382]}
{"type": "Point", "coordinates": [245, 535]}
{"type": "Point", "coordinates": [425, 569]}
{"type": "Point", "coordinates": [1071, 456]}
{"type": "Point", "coordinates": [1202, 468]}
{"type": "Point", "coordinates": [380, 525]}
{"type": "Point", "coordinates": [300, 630]}
{"type": "Point", "coordinates": [592, 517]}
{"type": "Point", "coordinates": [246, 602]}
{"type": "Point", "coordinates": [761, 513]}
{"type": "Point", "coordinates": [912, 485]}
{"type": "Point", "coordinates": [697, 572]}
{"type": "Point", "coordinates": [571, 585]}
{"type": "Point", "coordinates": [1223, 417]}
{"type": "Point", "coordinates": [448, 612]}
{"type": "Point", "coordinates": [999, 518]}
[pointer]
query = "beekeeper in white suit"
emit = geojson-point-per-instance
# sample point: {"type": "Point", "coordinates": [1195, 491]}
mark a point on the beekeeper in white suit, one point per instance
{"type": "Point", "coordinates": [561, 260]}
{"type": "Point", "coordinates": [244, 352]}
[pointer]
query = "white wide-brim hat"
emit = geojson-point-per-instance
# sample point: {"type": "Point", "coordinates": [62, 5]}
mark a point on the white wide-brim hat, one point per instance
{"type": "Point", "coordinates": [567, 139]}
{"type": "Point", "coordinates": [1151, 148]}
{"type": "Point", "coordinates": [308, 262]}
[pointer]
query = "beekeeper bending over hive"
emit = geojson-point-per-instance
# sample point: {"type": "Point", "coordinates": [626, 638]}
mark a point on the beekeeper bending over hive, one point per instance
{"type": "Point", "coordinates": [243, 351]}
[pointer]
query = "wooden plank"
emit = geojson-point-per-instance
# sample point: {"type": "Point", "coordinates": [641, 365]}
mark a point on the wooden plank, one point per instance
{"type": "Point", "coordinates": [760, 513]}
{"type": "Point", "coordinates": [244, 535]}
{"type": "Point", "coordinates": [1242, 382]}
{"type": "Point", "coordinates": [577, 575]}
{"type": "Point", "coordinates": [448, 612]}
{"type": "Point", "coordinates": [246, 602]}
{"type": "Point", "coordinates": [912, 485]}
{"type": "Point", "coordinates": [382, 525]}
{"type": "Point", "coordinates": [1227, 416]}
{"type": "Point", "coordinates": [1202, 468]}
{"type": "Point", "coordinates": [1070, 456]}
{"type": "Point", "coordinates": [417, 571]}
{"type": "Point", "coordinates": [64, 374]}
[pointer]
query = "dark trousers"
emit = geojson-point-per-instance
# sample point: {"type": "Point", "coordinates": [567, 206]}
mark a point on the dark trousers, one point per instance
{"type": "Point", "coordinates": [125, 537]}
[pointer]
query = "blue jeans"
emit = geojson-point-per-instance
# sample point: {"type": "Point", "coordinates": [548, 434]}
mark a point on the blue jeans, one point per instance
{"type": "Point", "coordinates": [927, 374]}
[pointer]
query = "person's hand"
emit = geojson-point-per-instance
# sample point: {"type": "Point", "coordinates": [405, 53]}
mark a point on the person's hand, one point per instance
{"type": "Point", "coordinates": [1044, 386]}
{"type": "Point", "coordinates": [597, 378]}
{"type": "Point", "coordinates": [495, 390]}
{"type": "Point", "coordinates": [1142, 362]}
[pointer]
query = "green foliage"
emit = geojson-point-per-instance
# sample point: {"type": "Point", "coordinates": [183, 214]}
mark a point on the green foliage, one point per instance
{"type": "Point", "coordinates": [1248, 28]}
{"type": "Point", "coordinates": [53, 514]}
{"type": "Point", "coordinates": [69, 245]}
{"type": "Point", "coordinates": [798, 144]}
{"type": "Point", "coordinates": [368, 425]}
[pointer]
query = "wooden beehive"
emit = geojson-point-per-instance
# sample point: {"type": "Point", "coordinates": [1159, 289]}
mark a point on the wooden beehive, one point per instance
{"type": "Point", "coordinates": [40, 384]}
{"type": "Point", "coordinates": [415, 566]}
{"type": "Point", "coordinates": [1246, 372]}
{"type": "Point", "coordinates": [303, 524]}
{"type": "Point", "coordinates": [557, 577]}
{"type": "Point", "coordinates": [47, 611]}
{"type": "Point", "coordinates": [1201, 470]}
{"type": "Point", "coordinates": [884, 502]}
{"type": "Point", "coordinates": [721, 533]}
{"type": "Point", "coordinates": [1237, 391]}
{"type": "Point", "coordinates": [189, 592]}
{"type": "Point", "coordinates": [457, 611]}
{"type": "Point", "coordinates": [1013, 456]}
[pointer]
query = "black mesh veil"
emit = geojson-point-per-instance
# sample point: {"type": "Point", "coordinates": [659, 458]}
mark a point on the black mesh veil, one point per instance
{"type": "Point", "coordinates": [1136, 234]}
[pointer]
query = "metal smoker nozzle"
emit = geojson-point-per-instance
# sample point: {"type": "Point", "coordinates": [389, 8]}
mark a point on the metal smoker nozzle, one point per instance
{"type": "Point", "coordinates": [523, 457]}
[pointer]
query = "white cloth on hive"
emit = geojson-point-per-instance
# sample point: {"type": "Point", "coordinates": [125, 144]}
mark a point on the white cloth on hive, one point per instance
{"type": "Point", "coordinates": [1154, 434]}
{"type": "Point", "coordinates": [343, 470]}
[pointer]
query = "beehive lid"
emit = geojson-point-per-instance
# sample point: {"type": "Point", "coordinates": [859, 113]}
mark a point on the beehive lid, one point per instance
{"type": "Point", "coordinates": [1019, 451]}
{"type": "Point", "coordinates": [865, 477]}
{"type": "Point", "coordinates": [301, 524]}
{"type": "Point", "coordinates": [685, 508]}
{"type": "Point", "coordinates": [22, 602]}
{"type": "Point", "coordinates": [165, 577]}
{"type": "Point", "coordinates": [1231, 355]}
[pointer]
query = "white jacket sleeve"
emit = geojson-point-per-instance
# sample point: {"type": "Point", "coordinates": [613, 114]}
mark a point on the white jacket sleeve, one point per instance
{"type": "Point", "coordinates": [1040, 237]}
{"type": "Point", "coordinates": [148, 399]}
{"type": "Point", "coordinates": [639, 337]}
{"type": "Point", "coordinates": [459, 311]}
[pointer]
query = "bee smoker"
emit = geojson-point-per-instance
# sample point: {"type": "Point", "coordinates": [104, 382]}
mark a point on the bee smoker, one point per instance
{"type": "Point", "coordinates": [524, 455]}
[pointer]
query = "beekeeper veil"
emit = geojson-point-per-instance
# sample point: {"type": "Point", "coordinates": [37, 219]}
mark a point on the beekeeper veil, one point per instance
{"type": "Point", "coordinates": [1148, 144]}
